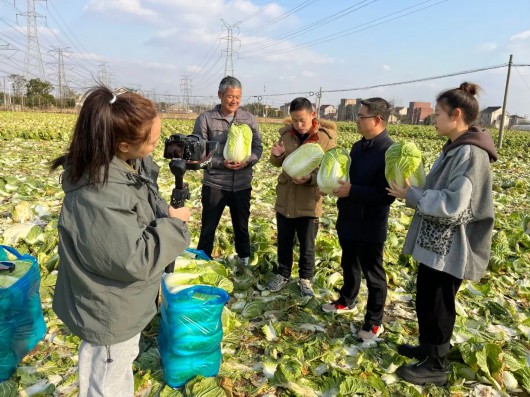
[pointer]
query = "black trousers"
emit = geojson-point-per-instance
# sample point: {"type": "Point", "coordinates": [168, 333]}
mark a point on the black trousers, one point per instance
{"type": "Point", "coordinates": [306, 229]}
{"type": "Point", "coordinates": [214, 202]}
{"type": "Point", "coordinates": [435, 305]}
{"type": "Point", "coordinates": [366, 258]}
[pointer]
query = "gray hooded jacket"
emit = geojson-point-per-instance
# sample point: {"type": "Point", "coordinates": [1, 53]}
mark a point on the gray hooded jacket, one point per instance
{"type": "Point", "coordinates": [115, 240]}
{"type": "Point", "coordinates": [453, 224]}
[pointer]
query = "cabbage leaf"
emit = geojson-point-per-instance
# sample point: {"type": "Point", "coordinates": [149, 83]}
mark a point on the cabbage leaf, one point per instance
{"type": "Point", "coordinates": [334, 167]}
{"type": "Point", "coordinates": [403, 160]}
{"type": "Point", "coordinates": [238, 143]}
{"type": "Point", "coordinates": [303, 160]}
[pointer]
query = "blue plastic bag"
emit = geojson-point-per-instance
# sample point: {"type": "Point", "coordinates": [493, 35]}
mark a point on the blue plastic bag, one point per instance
{"type": "Point", "coordinates": [22, 323]}
{"type": "Point", "coordinates": [190, 332]}
{"type": "Point", "coordinates": [199, 254]}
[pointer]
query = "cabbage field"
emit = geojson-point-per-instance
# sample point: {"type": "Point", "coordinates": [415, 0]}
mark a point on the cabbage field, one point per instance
{"type": "Point", "coordinates": [282, 344]}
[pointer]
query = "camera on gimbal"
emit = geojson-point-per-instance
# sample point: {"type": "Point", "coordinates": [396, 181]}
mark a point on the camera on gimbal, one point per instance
{"type": "Point", "coordinates": [186, 152]}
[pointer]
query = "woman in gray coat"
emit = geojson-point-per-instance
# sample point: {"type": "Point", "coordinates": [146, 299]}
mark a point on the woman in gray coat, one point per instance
{"type": "Point", "coordinates": [116, 236]}
{"type": "Point", "coordinates": [450, 234]}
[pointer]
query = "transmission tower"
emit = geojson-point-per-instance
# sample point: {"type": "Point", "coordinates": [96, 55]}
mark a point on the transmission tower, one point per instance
{"type": "Point", "coordinates": [33, 66]}
{"type": "Point", "coordinates": [61, 77]}
{"type": "Point", "coordinates": [229, 63]}
{"type": "Point", "coordinates": [104, 75]}
{"type": "Point", "coordinates": [185, 88]}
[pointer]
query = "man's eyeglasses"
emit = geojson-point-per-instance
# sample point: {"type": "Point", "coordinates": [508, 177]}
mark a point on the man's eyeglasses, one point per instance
{"type": "Point", "coordinates": [361, 116]}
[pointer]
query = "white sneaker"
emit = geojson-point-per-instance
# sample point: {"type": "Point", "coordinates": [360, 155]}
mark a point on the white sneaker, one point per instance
{"type": "Point", "coordinates": [306, 287]}
{"type": "Point", "coordinates": [373, 332]}
{"type": "Point", "coordinates": [277, 283]}
{"type": "Point", "coordinates": [337, 307]}
{"type": "Point", "coordinates": [243, 261]}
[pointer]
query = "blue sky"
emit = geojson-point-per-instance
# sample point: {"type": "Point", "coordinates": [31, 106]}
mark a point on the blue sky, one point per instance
{"type": "Point", "coordinates": [291, 47]}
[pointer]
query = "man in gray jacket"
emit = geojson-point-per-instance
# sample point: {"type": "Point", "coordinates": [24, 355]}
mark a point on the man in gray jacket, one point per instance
{"type": "Point", "coordinates": [226, 183]}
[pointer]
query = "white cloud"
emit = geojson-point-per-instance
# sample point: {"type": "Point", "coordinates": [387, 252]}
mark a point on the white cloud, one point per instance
{"type": "Point", "coordinates": [386, 67]}
{"type": "Point", "coordinates": [490, 46]}
{"type": "Point", "coordinates": [521, 36]}
{"type": "Point", "coordinates": [126, 6]}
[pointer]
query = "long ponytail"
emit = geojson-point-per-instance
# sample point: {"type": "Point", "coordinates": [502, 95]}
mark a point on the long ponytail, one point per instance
{"type": "Point", "coordinates": [104, 121]}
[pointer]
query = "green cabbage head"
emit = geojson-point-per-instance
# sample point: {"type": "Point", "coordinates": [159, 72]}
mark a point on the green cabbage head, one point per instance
{"type": "Point", "coordinates": [303, 160]}
{"type": "Point", "coordinates": [403, 160]}
{"type": "Point", "coordinates": [238, 143]}
{"type": "Point", "coordinates": [335, 167]}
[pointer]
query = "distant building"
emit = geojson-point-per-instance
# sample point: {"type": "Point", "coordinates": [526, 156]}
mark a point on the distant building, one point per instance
{"type": "Point", "coordinates": [284, 109]}
{"type": "Point", "coordinates": [328, 112]}
{"type": "Point", "coordinates": [399, 111]}
{"type": "Point", "coordinates": [517, 120]}
{"type": "Point", "coordinates": [491, 117]}
{"type": "Point", "coordinates": [346, 111]}
{"type": "Point", "coordinates": [417, 112]}
{"type": "Point", "coordinates": [398, 114]}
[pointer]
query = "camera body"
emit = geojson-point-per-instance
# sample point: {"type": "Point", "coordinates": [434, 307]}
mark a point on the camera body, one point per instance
{"type": "Point", "coordinates": [191, 148]}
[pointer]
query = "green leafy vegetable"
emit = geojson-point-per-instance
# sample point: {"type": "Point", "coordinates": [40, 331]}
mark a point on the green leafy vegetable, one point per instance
{"type": "Point", "coordinates": [403, 160]}
{"type": "Point", "coordinates": [334, 167]}
{"type": "Point", "coordinates": [303, 160]}
{"type": "Point", "coordinates": [238, 143]}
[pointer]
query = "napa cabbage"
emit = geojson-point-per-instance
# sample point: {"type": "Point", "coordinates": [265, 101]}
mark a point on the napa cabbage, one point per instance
{"type": "Point", "coordinates": [303, 161]}
{"type": "Point", "coordinates": [238, 143]}
{"type": "Point", "coordinates": [334, 167]}
{"type": "Point", "coordinates": [403, 160]}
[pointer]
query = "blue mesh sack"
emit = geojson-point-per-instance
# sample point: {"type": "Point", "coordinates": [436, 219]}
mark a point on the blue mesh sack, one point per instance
{"type": "Point", "coordinates": [190, 332]}
{"type": "Point", "coordinates": [22, 323]}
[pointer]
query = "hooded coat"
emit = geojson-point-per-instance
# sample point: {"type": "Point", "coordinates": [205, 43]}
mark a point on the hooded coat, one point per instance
{"type": "Point", "coordinates": [452, 228]}
{"type": "Point", "coordinates": [115, 240]}
{"type": "Point", "coordinates": [299, 200]}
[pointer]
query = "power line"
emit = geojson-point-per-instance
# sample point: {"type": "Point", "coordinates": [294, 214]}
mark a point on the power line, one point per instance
{"type": "Point", "coordinates": [350, 31]}
{"type": "Point", "coordinates": [282, 16]}
{"type": "Point", "coordinates": [309, 27]}
{"type": "Point", "coordinates": [396, 83]}
{"type": "Point", "coordinates": [522, 78]}
{"type": "Point", "coordinates": [258, 12]}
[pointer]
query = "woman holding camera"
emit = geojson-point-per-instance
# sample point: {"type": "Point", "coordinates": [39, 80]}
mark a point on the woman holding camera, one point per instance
{"type": "Point", "coordinates": [116, 236]}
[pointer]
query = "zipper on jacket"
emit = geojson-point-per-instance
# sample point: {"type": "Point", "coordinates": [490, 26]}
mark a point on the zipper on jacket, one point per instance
{"type": "Point", "coordinates": [109, 360]}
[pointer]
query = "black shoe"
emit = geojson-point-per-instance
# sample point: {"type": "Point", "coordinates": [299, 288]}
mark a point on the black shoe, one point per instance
{"type": "Point", "coordinates": [421, 374]}
{"type": "Point", "coordinates": [432, 369]}
{"type": "Point", "coordinates": [410, 351]}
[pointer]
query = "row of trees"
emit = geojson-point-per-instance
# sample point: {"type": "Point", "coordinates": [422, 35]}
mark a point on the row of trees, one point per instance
{"type": "Point", "coordinates": [34, 93]}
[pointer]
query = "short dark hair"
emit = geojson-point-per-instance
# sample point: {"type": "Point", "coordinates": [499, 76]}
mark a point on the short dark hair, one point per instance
{"type": "Point", "coordinates": [463, 98]}
{"type": "Point", "coordinates": [377, 107]}
{"type": "Point", "coordinates": [227, 82]}
{"type": "Point", "coordinates": [301, 103]}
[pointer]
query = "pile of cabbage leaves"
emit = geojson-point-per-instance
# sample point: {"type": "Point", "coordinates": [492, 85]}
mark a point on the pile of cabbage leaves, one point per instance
{"type": "Point", "coordinates": [282, 344]}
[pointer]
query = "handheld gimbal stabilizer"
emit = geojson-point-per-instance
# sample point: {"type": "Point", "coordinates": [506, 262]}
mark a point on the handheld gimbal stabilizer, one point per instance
{"type": "Point", "coordinates": [186, 152]}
